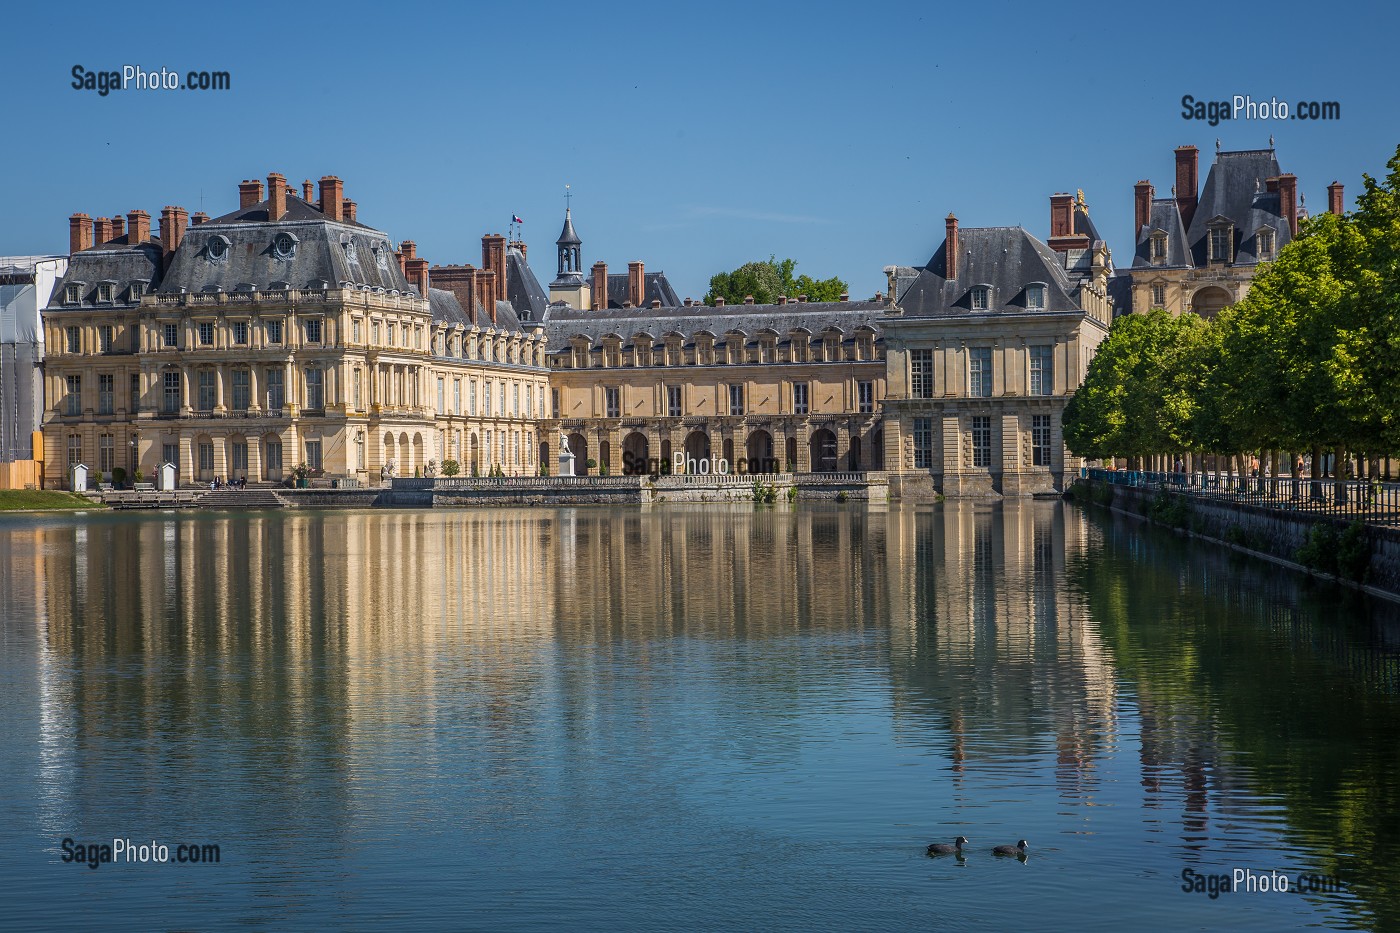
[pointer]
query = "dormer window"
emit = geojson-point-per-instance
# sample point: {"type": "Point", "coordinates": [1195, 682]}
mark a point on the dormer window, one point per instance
{"type": "Point", "coordinates": [981, 297]}
{"type": "Point", "coordinates": [284, 246]}
{"type": "Point", "coordinates": [137, 290]}
{"type": "Point", "coordinates": [1159, 248]}
{"type": "Point", "coordinates": [1222, 241]}
{"type": "Point", "coordinates": [72, 295]}
{"type": "Point", "coordinates": [1266, 244]}
{"type": "Point", "coordinates": [104, 292]}
{"type": "Point", "coordinates": [216, 250]}
{"type": "Point", "coordinates": [1035, 297]}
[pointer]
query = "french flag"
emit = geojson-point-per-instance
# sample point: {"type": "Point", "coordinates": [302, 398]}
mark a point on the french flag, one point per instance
{"type": "Point", "coordinates": [515, 219]}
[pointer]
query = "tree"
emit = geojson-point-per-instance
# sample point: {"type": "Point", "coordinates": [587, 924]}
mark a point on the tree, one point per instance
{"type": "Point", "coordinates": [767, 279]}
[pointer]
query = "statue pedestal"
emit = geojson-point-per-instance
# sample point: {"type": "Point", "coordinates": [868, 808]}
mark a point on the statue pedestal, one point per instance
{"type": "Point", "coordinates": [566, 462]}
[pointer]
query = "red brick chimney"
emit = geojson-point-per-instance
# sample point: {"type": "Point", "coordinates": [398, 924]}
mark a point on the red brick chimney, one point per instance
{"type": "Point", "coordinates": [1271, 185]}
{"type": "Point", "coordinates": [1288, 200]}
{"type": "Point", "coordinates": [1187, 182]}
{"type": "Point", "coordinates": [118, 226]}
{"type": "Point", "coordinates": [198, 217]}
{"type": "Point", "coordinates": [486, 292]}
{"type": "Point", "coordinates": [636, 283]}
{"type": "Point", "coordinates": [1142, 205]}
{"type": "Point", "coordinates": [101, 231]}
{"type": "Point", "coordinates": [172, 230]}
{"type": "Point", "coordinates": [349, 209]}
{"type": "Point", "coordinates": [520, 245]}
{"type": "Point", "coordinates": [249, 193]}
{"type": "Point", "coordinates": [79, 232]}
{"type": "Point", "coordinates": [418, 275]}
{"type": "Point", "coordinates": [276, 196]}
{"type": "Point", "coordinates": [1336, 203]}
{"type": "Point", "coordinates": [600, 286]}
{"type": "Point", "coordinates": [460, 281]}
{"type": "Point", "coordinates": [1062, 235]}
{"type": "Point", "coordinates": [409, 250]}
{"type": "Point", "coordinates": [138, 224]}
{"type": "Point", "coordinates": [308, 191]}
{"type": "Point", "coordinates": [950, 247]}
{"type": "Point", "coordinates": [493, 260]}
{"type": "Point", "coordinates": [332, 197]}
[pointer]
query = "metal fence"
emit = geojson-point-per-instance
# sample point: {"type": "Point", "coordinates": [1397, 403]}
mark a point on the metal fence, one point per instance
{"type": "Point", "coordinates": [1366, 500]}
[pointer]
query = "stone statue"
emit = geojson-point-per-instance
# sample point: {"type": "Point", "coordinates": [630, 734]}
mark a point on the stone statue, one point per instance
{"type": "Point", "coordinates": [431, 469]}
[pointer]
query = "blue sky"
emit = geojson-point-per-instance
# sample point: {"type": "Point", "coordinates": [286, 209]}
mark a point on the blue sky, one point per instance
{"type": "Point", "coordinates": [695, 137]}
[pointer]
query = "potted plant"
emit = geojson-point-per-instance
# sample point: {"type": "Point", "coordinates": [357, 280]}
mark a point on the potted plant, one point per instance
{"type": "Point", "coordinates": [301, 472]}
{"type": "Point", "coordinates": [118, 477]}
{"type": "Point", "coordinates": [451, 468]}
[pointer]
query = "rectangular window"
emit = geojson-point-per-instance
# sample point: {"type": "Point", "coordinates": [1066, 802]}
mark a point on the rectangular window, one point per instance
{"type": "Point", "coordinates": [313, 330]}
{"type": "Point", "coordinates": [865, 397]}
{"type": "Point", "coordinates": [356, 380]}
{"type": "Point", "coordinates": [1159, 248]}
{"type": "Point", "coordinates": [170, 393]}
{"type": "Point", "coordinates": [355, 330]}
{"type": "Point", "coordinates": [105, 393]}
{"type": "Point", "coordinates": [981, 298]}
{"type": "Point", "coordinates": [389, 334]}
{"type": "Point", "coordinates": [313, 455]}
{"type": "Point", "coordinates": [442, 395]}
{"type": "Point", "coordinates": [471, 398]}
{"type": "Point", "coordinates": [921, 373]}
{"type": "Point", "coordinates": [1040, 440]}
{"type": "Point", "coordinates": [1035, 297]}
{"type": "Point", "coordinates": [73, 400]}
{"type": "Point", "coordinates": [736, 399]}
{"type": "Point", "coordinates": [104, 338]}
{"type": "Point", "coordinates": [923, 443]}
{"type": "Point", "coordinates": [242, 391]}
{"type": "Point", "coordinates": [240, 455]}
{"type": "Point", "coordinates": [75, 449]}
{"type": "Point", "coordinates": [799, 398]}
{"type": "Point", "coordinates": [240, 333]}
{"type": "Point", "coordinates": [206, 457]}
{"type": "Point", "coordinates": [135, 404]}
{"type": "Point", "coordinates": [456, 396]}
{"type": "Point", "coordinates": [374, 333]}
{"type": "Point", "coordinates": [529, 399]}
{"type": "Point", "coordinates": [74, 340]}
{"type": "Point", "coordinates": [673, 401]}
{"type": "Point", "coordinates": [612, 396]}
{"type": "Point", "coordinates": [315, 388]}
{"type": "Point", "coordinates": [1159, 296]}
{"type": "Point", "coordinates": [1266, 244]}
{"type": "Point", "coordinates": [503, 403]}
{"type": "Point", "coordinates": [170, 335]}
{"type": "Point", "coordinates": [982, 441]}
{"type": "Point", "coordinates": [170, 453]}
{"type": "Point", "coordinates": [106, 452]}
{"type": "Point", "coordinates": [1042, 370]}
{"type": "Point", "coordinates": [515, 399]}
{"type": "Point", "coordinates": [979, 372]}
{"type": "Point", "coordinates": [276, 391]}
{"type": "Point", "coordinates": [207, 390]}
{"type": "Point", "coordinates": [104, 292]}
{"type": "Point", "coordinates": [1220, 244]}
{"type": "Point", "coordinates": [486, 399]}
{"type": "Point", "coordinates": [206, 333]}
{"type": "Point", "coordinates": [272, 455]}
{"type": "Point", "coordinates": [554, 402]}
{"type": "Point", "coordinates": [274, 331]}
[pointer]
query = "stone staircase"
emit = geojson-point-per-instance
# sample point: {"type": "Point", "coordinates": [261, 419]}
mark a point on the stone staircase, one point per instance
{"type": "Point", "coordinates": [254, 497]}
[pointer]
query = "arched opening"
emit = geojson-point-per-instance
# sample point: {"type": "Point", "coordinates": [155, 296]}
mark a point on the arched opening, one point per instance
{"type": "Point", "coordinates": [759, 451]}
{"type": "Point", "coordinates": [877, 449]}
{"type": "Point", "coordinates": [1208, 301]}
{"type": "Point", "coordinates": [204, 458]}
{"type": "Point", "coordinates": [405, 459]}
{"type": "Point", "coordinates": [387, 456]}
{"type": "Point", "coordinates": [697, 448]}
{"type": "Point", "coordinates": [272, 458]}
{"type": "Point", "coordinates": [474, 463]}
{"type": "Point", "coordinates": [727, 448]}
{"type": "Point", "coordinates": [791, 464]}
{"type": "Point", "coordinates": [544, 456]}
{"type": "Point", "coordinates": [578, 446]}
{"type": "Point", "coordinates": [823, 451]}
{"type": "Point", "coordinates": [853, 455]}
{"type": "Point", "coordinates": [237, 457]}
{"type": "Point", "coordinates": [419, 460]}
{"type": "Point", "coordinates": [635, 451]}
{"type": "Point", "coordinates": [605, 457]}
{"type": "Point", "coordinates": [666, 455]}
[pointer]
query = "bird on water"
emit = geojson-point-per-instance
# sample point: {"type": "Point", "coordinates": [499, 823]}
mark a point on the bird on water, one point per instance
{"type": "Point", "coordinates": [1019, 849]}
{"type": "Point", "coordinates": [943, 848]}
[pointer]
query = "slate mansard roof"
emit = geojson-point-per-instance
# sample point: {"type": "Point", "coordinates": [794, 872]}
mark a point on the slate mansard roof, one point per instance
{"type": "Point", "coordinates": [1008, 259]}
{"type": "Point", "coordinates": [564, 323]}
{"type": "Point", "coordinates": [117, 262]}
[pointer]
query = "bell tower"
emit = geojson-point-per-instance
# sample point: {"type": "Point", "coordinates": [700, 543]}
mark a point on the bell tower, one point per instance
{"type": "Point", "coordinates": [569, 284]}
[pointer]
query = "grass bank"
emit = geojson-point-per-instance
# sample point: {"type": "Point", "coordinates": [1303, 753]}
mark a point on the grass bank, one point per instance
{"type": "Point", "coordinates": [23, 500]}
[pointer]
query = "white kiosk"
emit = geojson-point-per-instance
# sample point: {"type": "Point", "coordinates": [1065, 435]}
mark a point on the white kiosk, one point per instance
{"type": "Point", "coordinates": [78, 477]}
{"type": "Point", "coordinates": [166, 477]}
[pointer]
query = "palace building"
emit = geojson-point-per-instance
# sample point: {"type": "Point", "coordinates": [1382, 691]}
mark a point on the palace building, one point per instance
{"type": "Point", "coordinates": [638, 377]}
{"type": "Point", "coordinates": [1197, 251]}
{"type": "Point", "coordinates": [286, 333]}
{"type": "Point", "coordinates": [987, 342]}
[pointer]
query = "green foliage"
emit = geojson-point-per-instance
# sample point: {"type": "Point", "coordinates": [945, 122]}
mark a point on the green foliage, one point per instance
{"type": "Point", "coordinates": [841, 496]}
{"type": "Point", "coordinates": [766, 280]}
{"type": "Point", "coordinates": [765, 495]}
{"type": "Point", "coordinates": [603, 470]}
{"type": "Point", "coordinates": [591, 463]}
{"type": "Point", "coordinates": [1319, 552]}
{"type": "Point", "coordinates": [451, 468]}
{"type": "Point", "coordinates": [118, 476]}
{"type": "Point", "coordinates": [1354, 553]}
{"type": "Point", "coordinates": [138, 476]}
{"type": "Point", "coordinates": [792, 494]}
{"type": "Point", "coordinates": [1168, 509]}
{"type": "Point", "coordinates": [475, 470]}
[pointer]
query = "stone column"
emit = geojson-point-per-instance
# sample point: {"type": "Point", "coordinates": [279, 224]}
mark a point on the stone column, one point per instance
{"type": "Point", "coordinates": [952, 462]}
{"type": "Point", "coordinates": [843, 446]}
{"type": "Point", "coordinates": [803, 433]}
{"type": "Point", "coordinates": [219, 403]}
{"type": "Point", "coordinates": [1011, 441]}
{"type": "Point", "coordinates": [255, 389]}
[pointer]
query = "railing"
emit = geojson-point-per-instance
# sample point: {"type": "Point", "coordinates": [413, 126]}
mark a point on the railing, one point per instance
{"type": "Point", "coordinates": [1366, 500]}
{"type": "Point", "coordinates": [513, 482]}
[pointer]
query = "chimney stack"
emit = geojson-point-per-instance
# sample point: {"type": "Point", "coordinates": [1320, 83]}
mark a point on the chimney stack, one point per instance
{"type": "Point", "coordinates": [636, 283]}
{"type": "Point", "coordinates": [172, 231]}
{"type": "Point", "coordinates": [950, 247]}
{"type": "Point", "coordinates": [332, 197]}
{"type": "Point", "coordinates": [1187, 182]}
{"type": "Point", "coordinates": [79, 232]}
{"type": "Point", "coordinates": [1062, 235]}
{"type": "Point", "coordinates": [308, 191]}
{"type": "Point", "coordinates": [748, 300]}
{"type": "Point", "coordinates": [486, 292]}
{"type": "Point", "coordinates": [101, 231]}
{"type": "Point", "coordinates": [782, 299]}
{"type": "Point", "coordinates": [600, 286]}
{"type": "Point", "coordinates": [493, 260]}
{"type": "Point", "coordinates": [719, 301]}
{"type": "Point", "coordinates": [138, 225]}
{"type": "Point", "coordinates": [656, 302]}
{"type": "Point", "coordinates": [276, 196]}
{"type": "Point", "coordinates": [198, 217]}
{"type": "Point", "coordinates": [348, 206]}
{"type": "Point", "coordinates": [1336, 203]}
{"type": "Point", "coordinates": [249, 193]}
{"type": "Point", "coordinates": [1288, 200]}
{"type": "Point", "coordinates": [118, 226]}
{"type": "Point", "coordinates": [1142, 206]}
{"type": "Point", "coordinates": [418, 275]}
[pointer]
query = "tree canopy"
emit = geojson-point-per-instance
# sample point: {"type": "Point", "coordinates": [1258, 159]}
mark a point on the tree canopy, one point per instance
{"type": "Point", "coordinates": [766, 280]}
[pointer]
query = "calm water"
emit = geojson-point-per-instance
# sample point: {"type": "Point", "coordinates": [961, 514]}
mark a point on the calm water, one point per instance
{"type": "Point", "coordinates": [715, 718]}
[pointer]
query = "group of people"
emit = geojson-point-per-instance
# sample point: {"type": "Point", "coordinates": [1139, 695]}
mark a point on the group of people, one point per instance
{"type": "Point", "coordinates": [218, 483]}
